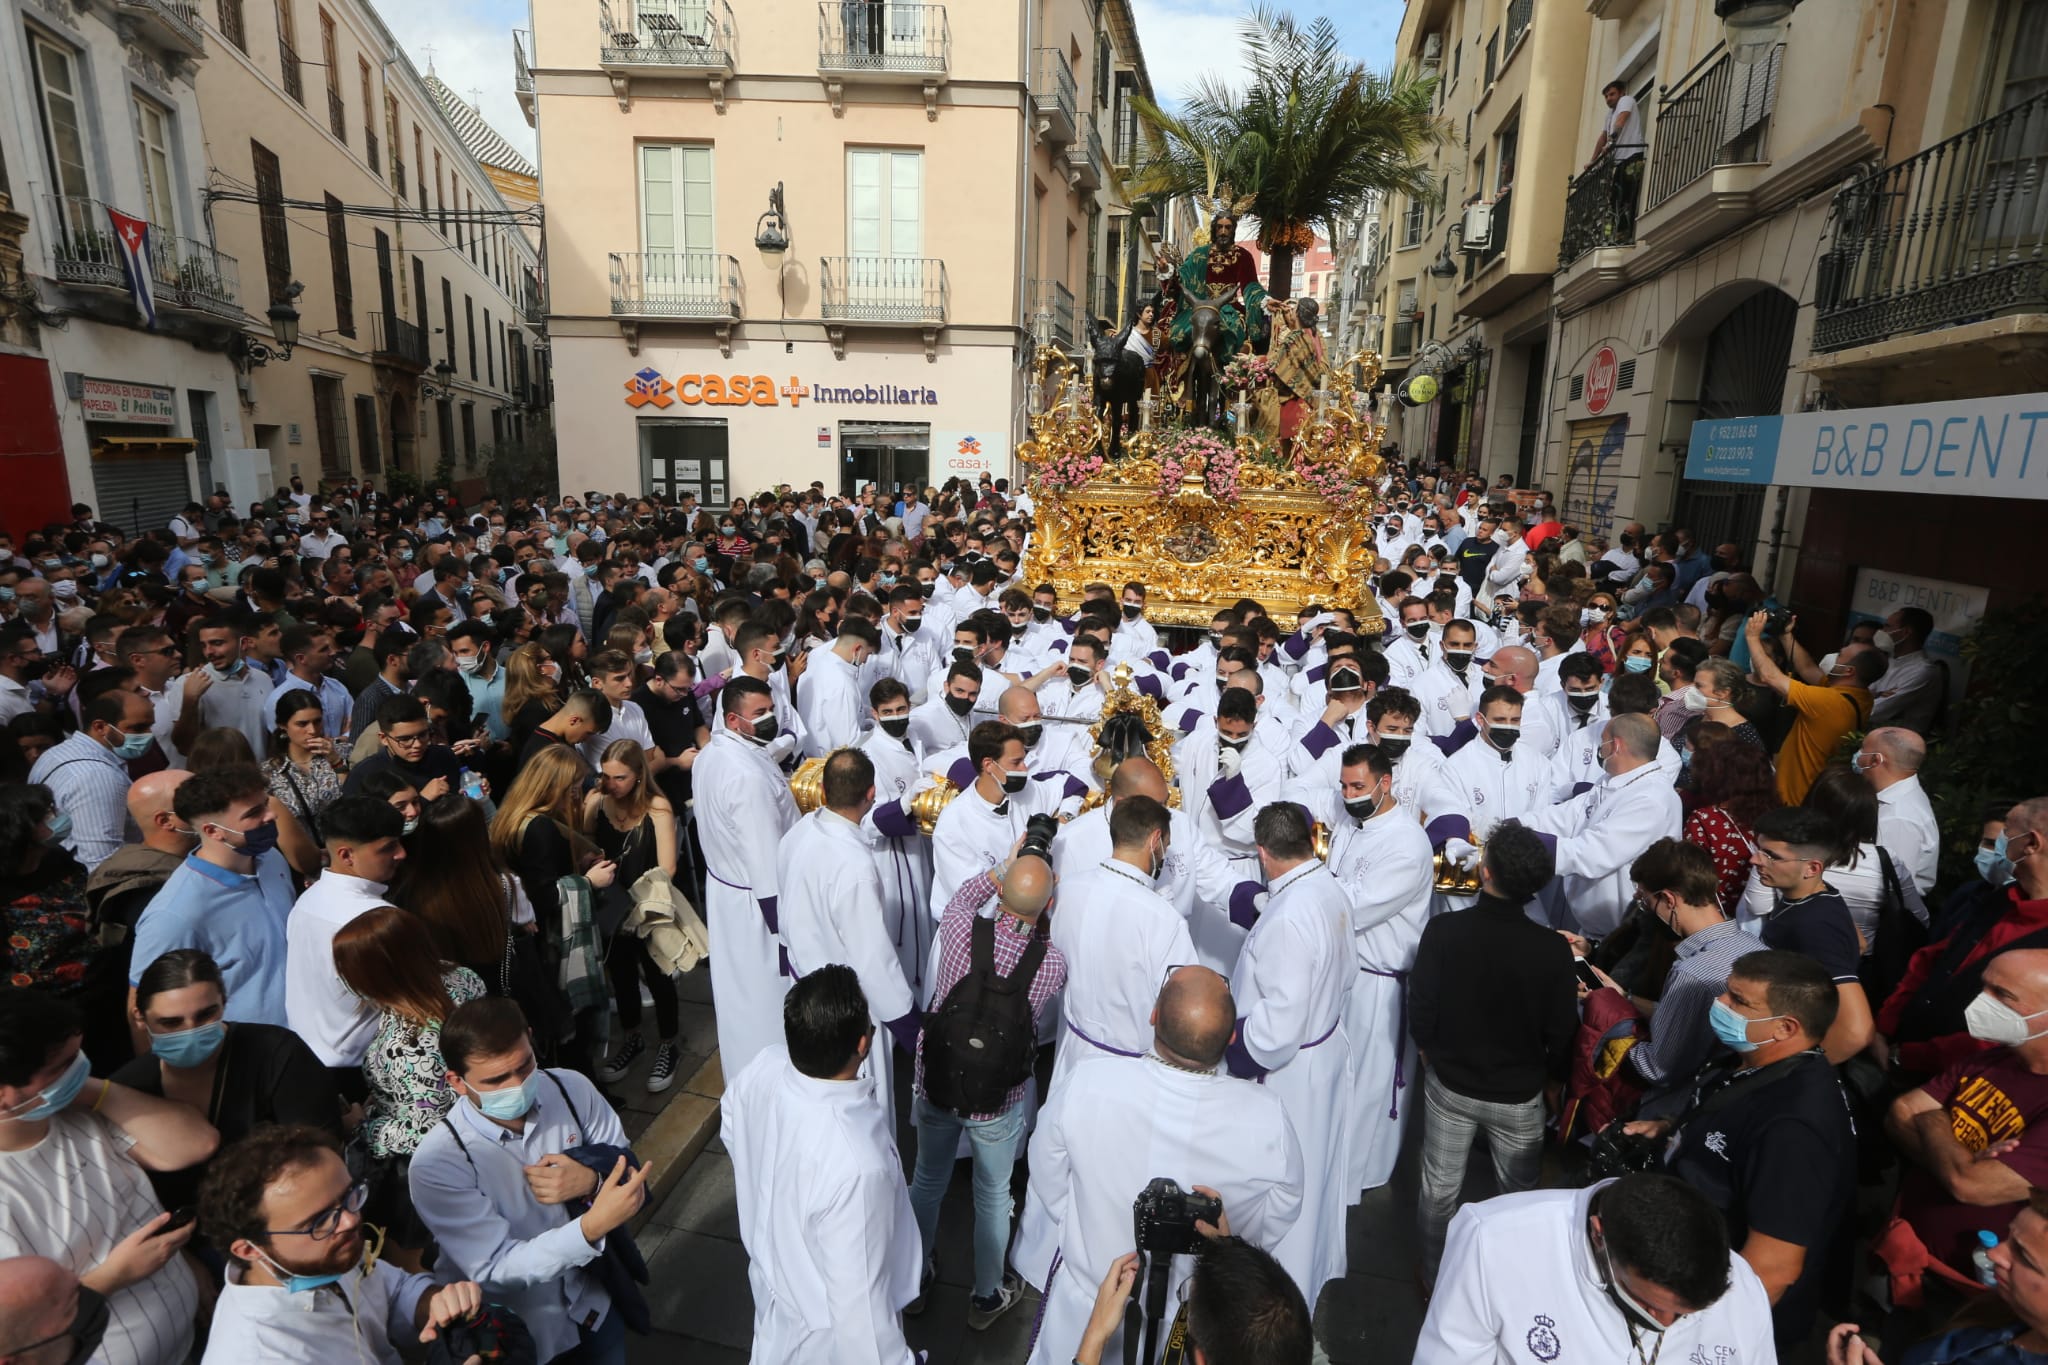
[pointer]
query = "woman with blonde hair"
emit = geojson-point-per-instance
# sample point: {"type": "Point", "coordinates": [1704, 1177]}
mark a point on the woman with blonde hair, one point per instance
{"type": "Point", "coordinates": [531, 695]}
{"type": "Point", "coordinates": [634, 826]}
{"type": "Point", "coordinates": [535, 835]}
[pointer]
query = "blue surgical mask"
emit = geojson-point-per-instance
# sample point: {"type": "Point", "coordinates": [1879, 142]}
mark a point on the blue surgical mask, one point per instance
{"type": "Point", "coordinates": [1732, 1028]}
{"type": "Point", "coordinates": [189, 1047]}
{"type": "Point", "coordinates": [701, 564]}
{"type": "Point", "coordinates": [299, 1284]}
{"type": "Point", "coordinates": [510, 1103]}
{"type": "Point", "coordinates": [60, 828]}
{"type": "Point", "coordinates": [132, 747]}
{"type": "Point", "coordinates": [223, 674]}
{"type": "Point", "coordinates": [6, 594]}
{"type": "Point", "coordinates": [1992, 866]}
{"type": "Point", "coordinates": [1636, 663]}
{"type": "Point", "coordinates": [59, 1094]}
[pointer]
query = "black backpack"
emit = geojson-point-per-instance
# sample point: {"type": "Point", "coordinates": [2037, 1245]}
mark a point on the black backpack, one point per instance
{"type": "Point", "coordinates": [983, 1040]}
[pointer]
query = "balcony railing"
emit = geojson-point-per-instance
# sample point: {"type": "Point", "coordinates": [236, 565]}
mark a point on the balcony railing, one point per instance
{"type": "Point", "coordinates": [1497, 233]}
{"type": "Point", "coordinates": [1124, 150]}
{"type": "Point", "coordinates": [905, 289]}
{"type": "Point", "coordinates": [337, 115]}
{"type": "Point", "coordinates": [288, 68]}
{"type": "Point", "coordinates": [1053, 95]}
{"type": "Point", "coordinates": [398, 174]}
{"type": "Point", "coordinates": [184, 273]}
{"type": "Point", "coordinates": [1084, 160]}
{"type": "Point", "coordinates": [1519, 14]}
{"type": "Point", "coordinates": [894, 39]}
{"type": "Point", "coordinates": [1492, 56]}
{"type": "Point", "coordinates": [1719, 114]}
{"type": "Point", "coordinates": [687, 33]}
{"type": "Point", "coordinates": [533, 306]}
{"type": "Point", "coordinates": [522, 72]}
{"type": "Point", "coordinates": [172, 23]}
{"type": "Point", "coordinates": [229, 14]}
{"type": "Point", "coordinates": [371, 152]}
{"type": "Point", "coordinates": [1056, 301]}
{"type": "Point", "coordinates": [396, 339]}
{"type": "Point", "coordinates": [1402, 343]}
{"type": "Point", "coordinates": [1953, 234]}
{"type": "Point", "coordinates": [1599, 208]}
{"type": "Point", "coordinates": [675, 284]}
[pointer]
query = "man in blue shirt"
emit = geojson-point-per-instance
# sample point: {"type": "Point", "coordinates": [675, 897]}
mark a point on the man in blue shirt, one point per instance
{"type": "Point", "coordinates": [231, 896]}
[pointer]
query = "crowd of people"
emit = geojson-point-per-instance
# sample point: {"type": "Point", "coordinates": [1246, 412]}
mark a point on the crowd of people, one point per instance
{"type": "Point", "coordinates": [353, 844]}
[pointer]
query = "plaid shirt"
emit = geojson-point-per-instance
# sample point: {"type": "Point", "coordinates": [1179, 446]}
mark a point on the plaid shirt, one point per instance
{"type": "Point", "coordinates": [956, 956]}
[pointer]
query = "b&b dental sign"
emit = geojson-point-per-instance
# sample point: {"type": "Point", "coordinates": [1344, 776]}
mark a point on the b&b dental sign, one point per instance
{"type": "Point", "coordinates": [1984, 447]}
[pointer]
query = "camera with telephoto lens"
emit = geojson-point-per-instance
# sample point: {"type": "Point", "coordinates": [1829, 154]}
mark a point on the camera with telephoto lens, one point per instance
{"type": "Point", "coordinates": [1775, 621]}
{"type": "Point", "coordinates": [1164, 1217]}
{"type": "Point", "coordinates": [1038, 834]}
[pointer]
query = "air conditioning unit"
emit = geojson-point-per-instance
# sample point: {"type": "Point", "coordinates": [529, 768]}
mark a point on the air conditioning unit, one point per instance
{"type": "Point", "coordinates": [1432, 49]}
{"type": "Point", "coordinates": [1478, 227]}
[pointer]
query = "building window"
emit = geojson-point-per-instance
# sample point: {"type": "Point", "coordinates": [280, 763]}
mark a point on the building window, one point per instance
{"type": "Point", "coordinates": [469, 434]}
{"type": "Point", "coordinates": [675, 199]}
{"type": "Point", "coordinates": [448, 321]}
{"type": "Point", "coordinates": [469, 316]}
{"type": "Point", "coordinates": [337, 255]}
{"type": "Point", "coordinates": [490, 352]}
{"type": "Point", "coordinates": [419, 165]}
{"type": "Point", "coordinates": [371, 152]}
{"type": "Point", "coordinates": [1411, 224]}
{"type": "Point", "coordinates": [277, 247]}
{"type": "Point", "coordinates": [153, 142]}
{"type": "Point", "coordinates": [366, 434]}
{"type": "Point", "coordinates": [445, 423]}
{"type": "Point", "coordinates": [440, 194]}
{"type": "Point", "coordinates": [337, 114]}
{"type": "Point", "coordinates": [56, 73]}
{"type": "Point", "coordinates": [288, 52]}
{"type": "Point", "coordinates": [885, 203]}
{"type": "Point", "coordinates": [229, 15]}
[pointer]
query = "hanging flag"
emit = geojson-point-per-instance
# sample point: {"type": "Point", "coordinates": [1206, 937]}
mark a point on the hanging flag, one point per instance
{"type": "Point", "coordinates": [137, 258]}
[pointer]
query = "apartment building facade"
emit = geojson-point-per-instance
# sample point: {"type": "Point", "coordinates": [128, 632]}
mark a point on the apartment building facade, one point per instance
{"type": "Point", "coordinates": [817, 241]}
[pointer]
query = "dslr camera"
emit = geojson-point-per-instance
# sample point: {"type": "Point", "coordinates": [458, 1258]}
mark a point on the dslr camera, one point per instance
{"type": "Point", "coordinates": [1164, 1217]}
{"type": "Point", "coordinates": [1038, 835]}
{"type": "Point", "coordinates": [1775, 621]}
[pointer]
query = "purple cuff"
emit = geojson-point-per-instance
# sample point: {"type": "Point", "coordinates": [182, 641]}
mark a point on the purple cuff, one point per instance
{"type": "Point", "coordinates": [1149, 684]}
{"type": "Point", "coordinates": [1445, 828]}
{"type": "Point", "coordinates": [1243, 912]}
{"type": "Point", "coordinates": [1580, 789]}
{"type": "Point", "coordinates": [768, 917]}
{"type": "Point", "coordinates": [1318, 673]}
{"type": "Point", "coordinates": [1073, 786]}
{"type": "Point", "coordinates": [1178, 672]}
{"type": "Point", "coordinates": [961, 774]}
{"type": "Point", "coordinates": [782, 963]}
{"type": "Point", "coordinates": [708, 686]}
{"type": "Point", "coordinates": [904, 1030]}
{"type": "Point", "coordinates": [1057, 647]}
{"type": "Point", "coordinates": [1189, 719]}
{"type": "Point", "coordinates": [1549, 842]}
{"type": "Point", "coordinates": [893, 819]}
{"type": "Point", "coordinates": [1159, 658]}
{"type": "Point", "coordinates": [1238, 1058]}
{"type": "Point", "coordinates": [1229, 796]}
{"type": "Point", "coordinates": [1296, 644]}
{"type": "Point", "coordinates": [1457, 739]}
{"type": "Point", "coordinates": [1318, 739]}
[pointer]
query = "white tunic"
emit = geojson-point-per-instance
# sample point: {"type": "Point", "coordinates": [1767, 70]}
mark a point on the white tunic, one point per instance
{"type": "Point", "coordinates": [789, 723]}
{"type": "Point", "coordinates": [1414, 770]}
{"type": "Point", "coordinates": [1116, 1125]}
{"type": "Point", "coordinates": [907, 659]}
{"type": "Point", "coordinates": [1120, 937]}
{"type": "Point", "coordinates": [833, 704]}
{"type": "Point", "coordinates": [1520, 1285]}
{"type": "Point", "coordinates": [1476, 783]}
{"type": "Point", "coordinates": [831, 911]}
{"type": "Point", "coordinates": [740, 830]}
{"type": "Point", "coordinates": [902, 855]}
{"type": "Point", "coordinates": [1198, 881]}
{"type": "Point", "coordinates": [832, 1245]}
{"type": "Point", "coordinates": [973, 836]}
{"type": "Point", "coordinates": [1292, 984]}
{"type": "Point", "coordinates": [1599, 834]}
{"type": "Point", "coordinates": [933, 726]}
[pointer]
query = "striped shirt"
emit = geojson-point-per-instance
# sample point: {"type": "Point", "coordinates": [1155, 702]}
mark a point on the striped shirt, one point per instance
{"type": "Point", "coordinates": [70, 1198]}
{"type": "Point", "coordinates": [90, 784]}
{"type": "Point", "coordinates": [1680, 1036]}
{"type": "Point", "coordinates": [956, 956]}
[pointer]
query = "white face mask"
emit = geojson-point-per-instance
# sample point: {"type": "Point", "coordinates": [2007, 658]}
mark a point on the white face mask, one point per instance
{"type": "Point", "coordinates": [1991, 1020]}
{"type": "Point", "coordinates": [1884, 642]}
{"type": "Point", "coordinates": [1696, 700]}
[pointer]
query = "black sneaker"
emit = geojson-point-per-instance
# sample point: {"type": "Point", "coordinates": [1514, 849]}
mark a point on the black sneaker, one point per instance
{"type": "Point", "coordinates": [982, 1313]}
{"type": "Point", "coordinates": [916, 1305]}
{"type": "Point", "coordinates": [622, 1059]}
{"type": "Point", "coordinates": [663, 1074]}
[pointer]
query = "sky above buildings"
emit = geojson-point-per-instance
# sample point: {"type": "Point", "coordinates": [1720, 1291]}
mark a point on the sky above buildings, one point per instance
{"type": "Point", "coordinates": [468, 43]}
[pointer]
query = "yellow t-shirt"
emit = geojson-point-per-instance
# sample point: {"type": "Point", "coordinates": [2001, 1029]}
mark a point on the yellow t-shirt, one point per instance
{"type": "Point", "coordinates": [1822, 716]}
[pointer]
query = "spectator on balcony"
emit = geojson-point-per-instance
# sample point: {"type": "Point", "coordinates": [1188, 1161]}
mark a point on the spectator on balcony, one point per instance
{"type": "Point", "coordinates": [1622, 142]}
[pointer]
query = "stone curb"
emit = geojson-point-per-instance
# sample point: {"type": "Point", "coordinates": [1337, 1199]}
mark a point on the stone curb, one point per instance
{"type": "Point", "coordinates": [678, 1134]}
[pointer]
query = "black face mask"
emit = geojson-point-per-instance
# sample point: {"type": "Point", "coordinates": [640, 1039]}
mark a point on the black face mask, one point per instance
{"type": "Point", "coordinates": [895, 727]}
{"type": "Point", "coordinates": [959, 706]}
{"type": "Point", "coordinates": [911, 624]}
{"type": "Point", "coordinates": [86, 1329]}
{"type": "Point", "coordinates": [1393, 746]}
{"type": "Point", "coordinates": [1417, 630]}
{"type": "Point", "coordinates": [1132, 611]}
{"type": "Point", "coordinates": [1347, 681]}
{"type": "Point", "coordinates": [1014, 782]}
{"type": "Point", "coordinates": [1458, 659]}
{"type": "Point", "coordinates": [1503, 738]}
{"type": "Point", "coordinates": [1079, 676]}
{"type": "Point", "coordinates": [765, 728]}
{"type": "Point", "coordinates": [928, 589]}
{"type": "Point", "coordinates": [1583, 702]}
{"type": "Point", "coordinates": [1030, 734]}
{"type": "Point", "coordinates": [1238, 744]}
{"type": "Point", "coordinates": [1363, 809]}
{"type": "Point", "coordinates": [1041, 613]}
{"type": "Point", "coordinates": [963, 654]}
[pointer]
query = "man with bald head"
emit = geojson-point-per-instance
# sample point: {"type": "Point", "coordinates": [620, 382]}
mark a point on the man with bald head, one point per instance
{"type": "Point", "coordinates": [1597, 834]}
{"type": "Point", "coordinates": [1020, 888]}
{"type": "Point", "coordinates": [1821, 714]}
{"type": "Point", "coordinates": [1890, 760]}
{"type": "Point", "coordinates": [46, 1316]}
{"type": "Point", "coordinates": [1517, 666]}
{"type": "Point", "coordinates": [1197, 880]}
{"type": "Point", "coordinates": [1118, 1123]}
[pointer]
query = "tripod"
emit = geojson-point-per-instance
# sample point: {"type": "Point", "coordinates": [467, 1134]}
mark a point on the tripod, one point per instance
{"type": "Point", "coordinates": [1158, 1267]}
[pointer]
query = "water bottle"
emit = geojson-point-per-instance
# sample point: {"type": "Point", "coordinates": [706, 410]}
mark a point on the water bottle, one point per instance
{"type": "Point", "coordinates": [473, 788]}
{"type": "Point", "coordinates": [1980, 1259]}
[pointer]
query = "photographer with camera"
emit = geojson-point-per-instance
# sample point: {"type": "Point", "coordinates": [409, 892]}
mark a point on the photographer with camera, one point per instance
{"type": "Point", "coordinates": [994, 975]}
{"type": "Point", "coordinates": [1825, 707]}
{"type": "Point", "coordinates": [1241, 1307]}
{"type": "Point", "coordinates": [981, 826]}
{"type": "Point", "coordinates": [1624, 1271]}
{"type": "Point", "coordinates": [1124, 1128]}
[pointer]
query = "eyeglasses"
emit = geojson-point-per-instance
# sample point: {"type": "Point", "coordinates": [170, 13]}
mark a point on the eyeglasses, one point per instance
{"type": "Point", "coordinates": [1771, 857]}
{"type": "Point", "coordinates": [408, 741]}
{"type": "Point", "coordinates": [327, 1222]}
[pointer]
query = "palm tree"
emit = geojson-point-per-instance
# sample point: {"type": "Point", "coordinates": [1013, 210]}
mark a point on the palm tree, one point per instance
{"type": "Point", "coordinates": [1312, 135]}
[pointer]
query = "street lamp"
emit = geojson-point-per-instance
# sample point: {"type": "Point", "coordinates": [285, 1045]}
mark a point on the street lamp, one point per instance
{"type": "Point", "coordinates": [284, 330]}
{"type": "Point", "coordinates": [771, 229]}
{"type": "Point", "coordinates": [444, 370]}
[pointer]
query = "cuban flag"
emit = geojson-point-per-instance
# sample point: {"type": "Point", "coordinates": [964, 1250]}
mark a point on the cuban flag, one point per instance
{"type": "Point", "coordinates": [132, 235]}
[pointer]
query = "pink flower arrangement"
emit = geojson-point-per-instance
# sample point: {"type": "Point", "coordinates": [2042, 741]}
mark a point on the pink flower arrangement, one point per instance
{"type": "Point", "coordinates": [1328, 480]}
{"type": "Point", "coordinates": [1070, 469]}
{"type": "Point", "coordinates": [1218, 462]}
{"type": "Point", "coordinates": [1247, 371]}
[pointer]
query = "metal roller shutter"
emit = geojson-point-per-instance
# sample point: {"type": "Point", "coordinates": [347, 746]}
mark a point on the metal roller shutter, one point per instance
{"type": "Point", "coordinates": [140, 493]}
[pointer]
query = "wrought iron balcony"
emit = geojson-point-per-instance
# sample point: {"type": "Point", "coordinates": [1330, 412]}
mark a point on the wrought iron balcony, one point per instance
{"type": "Point", "coordinates": [1402, 343]}
{"type": "Point", "coordinates": [1084, 160]}
{"type": "Point", "coordinates": [864, 39]}
{"type": "Point", "coordinates": [395, 339]}
{"type": "Point", "coordinates": [337, 115]}
{"type": "Point", "coordinates": [1497, 233]}
{"type": "Point", "coordinates": [288, 69]}
{"type": "Point", "coordinates": [171, 24]}
{"type": "Point", "coordinates": [1124, 146]}
{"type": "Point", "coordinates": [1596, 213]}
{"type": "Point", "coordinates": [675, 284]}
{"type": "Point", "coordinates": [371, 152]}
{"type": "Point", "coordinates": [184, 274]}
{"type": "Point", "coordinates": [1053, 96]}
{"type": "Point", "coordinates": [1519, 14]}
{"type": "Point", "coordinates": [191, 275]}
{"type": "Point", "coordinates": [398, 174]}
{"type": "Point", "coordinates": [692, 34]}
{"type": "Point", "coordinates": [1056, 302]}
{"type": "Point", "coordinates": [1719, 114]}
{"type": "Point", "coordinates": [1955, 233]}
{"type": "Point", "coordinates": [522, 75]}
{"type": "Point", "coordinates": [533, 306]}
{"type": "Point", "coordinates": [883, 289]}
{"type": "Point", "coordinates": [229, 15]}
